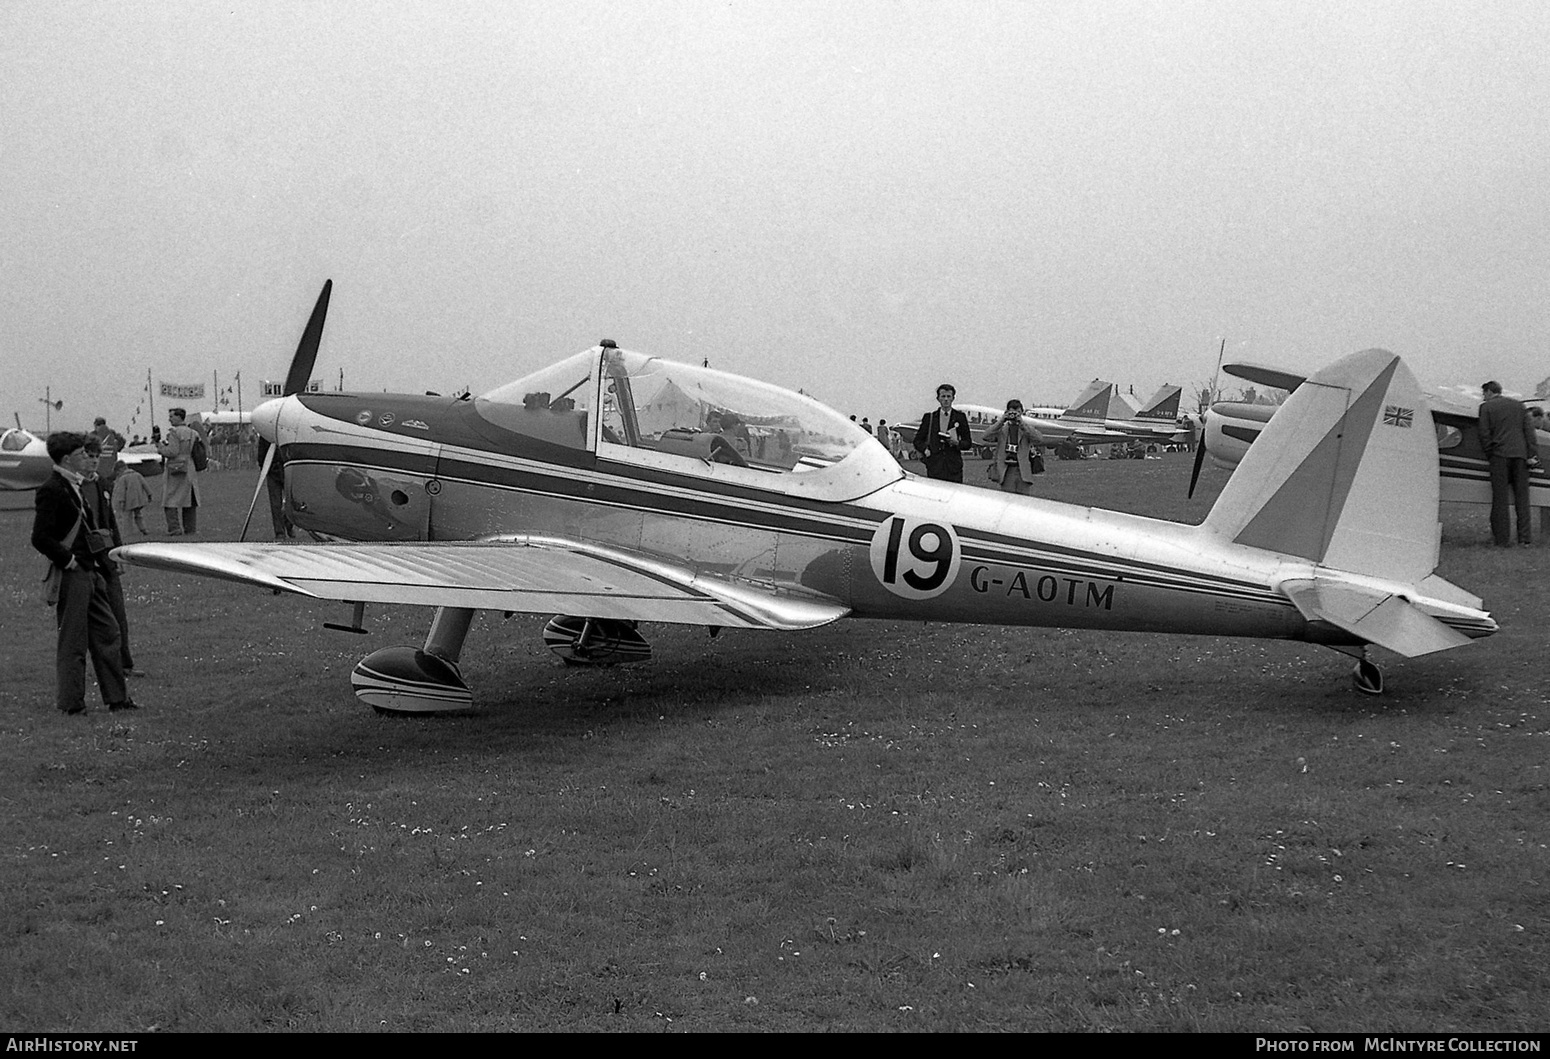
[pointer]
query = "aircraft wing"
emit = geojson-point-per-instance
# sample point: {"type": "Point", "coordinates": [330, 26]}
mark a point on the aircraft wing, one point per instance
{"type": "Point", "coordinates": [539, 575]}
{"type": "Point", "coordinates": [1376, 616]}
{"type": "Point", "coordinates": [1054, 431]}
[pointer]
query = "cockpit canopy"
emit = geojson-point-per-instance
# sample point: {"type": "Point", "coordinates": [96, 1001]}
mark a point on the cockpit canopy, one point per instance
{"type": "Point", "coordinates": [15, 440]}
{"type": "Point", "coordinates": [692, 419]}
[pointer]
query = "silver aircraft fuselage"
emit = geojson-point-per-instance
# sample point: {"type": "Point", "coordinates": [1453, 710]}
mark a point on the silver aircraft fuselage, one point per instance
{"type": "Point", "coordinates": [374, 467]}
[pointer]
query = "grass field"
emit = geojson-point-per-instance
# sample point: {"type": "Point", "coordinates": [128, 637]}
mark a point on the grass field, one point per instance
{"type": "Point", "coordinates": [873, 826]}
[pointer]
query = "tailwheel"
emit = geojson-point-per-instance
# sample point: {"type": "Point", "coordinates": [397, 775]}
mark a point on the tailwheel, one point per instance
{"type": "Point", "coordinates": [595, 641]}
{"type": "Point", "coordinates": [1367, 677]}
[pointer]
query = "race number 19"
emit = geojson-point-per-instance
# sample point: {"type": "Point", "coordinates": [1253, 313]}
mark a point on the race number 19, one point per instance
{"type": "Point", "coordinates": [915, 559]}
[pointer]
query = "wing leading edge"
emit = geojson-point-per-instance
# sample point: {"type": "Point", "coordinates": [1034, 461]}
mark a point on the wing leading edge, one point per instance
{"type": "Point", "coordinates": [530, 574]}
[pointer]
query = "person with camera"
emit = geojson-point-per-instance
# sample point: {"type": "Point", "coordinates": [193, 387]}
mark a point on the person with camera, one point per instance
{"type": "Point", "coordinates": [1018, 455]}
{"type": "Point", "coordinates": [68, 533]}
{"type": "Point", "coordinates": [942, 437]}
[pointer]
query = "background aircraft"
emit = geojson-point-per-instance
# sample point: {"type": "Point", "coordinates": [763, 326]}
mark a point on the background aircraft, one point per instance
{"type": "Point", "coordinates": [24, 462]}
{"type": "Point", "coordinates": [1100, 415]}
{"type": "Point", "coordinates": [609, 488]}
{"type": "Point", "coordinates": [1231, 427]}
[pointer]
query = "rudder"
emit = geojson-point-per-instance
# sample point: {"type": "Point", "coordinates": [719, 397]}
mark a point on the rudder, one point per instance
{"type": "Point", "coordinates": [1344, 475]}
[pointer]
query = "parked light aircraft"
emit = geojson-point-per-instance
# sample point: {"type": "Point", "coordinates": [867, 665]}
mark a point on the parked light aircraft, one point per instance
{"type": "Point", "coordinates": [598, 489]}
{"type": "Point", "coordinates": [24, 462]}
{"type": "Point", "coordinates": [1102, 406]}
{"type": "Point", "coordinates": [1465, 476]}
{"type": "Point", "coordinates": [1100, 415]}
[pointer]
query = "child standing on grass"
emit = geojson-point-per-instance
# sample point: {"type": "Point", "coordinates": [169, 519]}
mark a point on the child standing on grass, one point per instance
{"type": "Point", "coordinates": [130, 496]}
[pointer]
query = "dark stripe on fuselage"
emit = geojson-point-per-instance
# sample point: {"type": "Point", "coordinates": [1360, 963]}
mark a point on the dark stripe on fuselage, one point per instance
{"type": "Point", "coordinates": [1479, 470]}
{"type": "Point", "coordinates": [643, 489]}
{"type": "Point", "coordinates": [638, 488]}
{"type": "Point", "coordinates": [1011, 551]}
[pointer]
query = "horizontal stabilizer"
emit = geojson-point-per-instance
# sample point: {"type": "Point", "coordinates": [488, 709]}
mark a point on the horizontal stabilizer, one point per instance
{"type": "Point", "coordinates": [1374, 615]}
{"type": "Point", "coordinates": [1266, 376]}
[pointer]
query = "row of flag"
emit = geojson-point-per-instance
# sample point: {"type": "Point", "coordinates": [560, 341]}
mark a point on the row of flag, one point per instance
{"type": "Point", "coordinates": [196, 391]}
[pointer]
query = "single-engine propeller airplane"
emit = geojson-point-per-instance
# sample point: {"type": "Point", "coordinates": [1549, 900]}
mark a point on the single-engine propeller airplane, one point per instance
{"type": "Point", "coordinates": [24, 462]}
{"type": "Point", "coordinates": [610, 489]}
{"type": "Point", "coordinates": [1464, 472]}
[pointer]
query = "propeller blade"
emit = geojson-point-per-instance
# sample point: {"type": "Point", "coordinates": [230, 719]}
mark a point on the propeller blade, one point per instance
{"type": "Point", "coordinates": [1200, 457]}
{"type": "Point", "coordinates": [307, 349]}
{"type": "Point", "coordinates": [296, 380]}
{"type": "Point", "coordinates": [263, 476]}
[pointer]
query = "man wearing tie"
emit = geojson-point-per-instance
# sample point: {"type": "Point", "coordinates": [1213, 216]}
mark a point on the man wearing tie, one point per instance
{"type": "Point", "coordinates": [65, 530]}
{"type": "Point", "coordinates": [943, 433]}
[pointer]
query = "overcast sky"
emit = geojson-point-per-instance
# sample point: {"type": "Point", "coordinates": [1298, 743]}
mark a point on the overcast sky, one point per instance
{"type": "Point", "coordinates": [860, 199]}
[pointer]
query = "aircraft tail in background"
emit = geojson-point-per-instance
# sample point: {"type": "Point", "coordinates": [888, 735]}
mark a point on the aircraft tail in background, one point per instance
{"type": "Point", "coordinates": [1163, 407]}
{"type": "Point", "coordinates": [1098, 404]}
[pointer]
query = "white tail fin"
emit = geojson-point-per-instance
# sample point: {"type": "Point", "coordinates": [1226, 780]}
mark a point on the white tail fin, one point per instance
{"type": "Point", "coordinates": [1344, 475]}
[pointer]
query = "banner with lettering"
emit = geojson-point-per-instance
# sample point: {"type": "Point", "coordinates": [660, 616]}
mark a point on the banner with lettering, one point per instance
{"type": "Point", "coordinates": [187, 392]}
{"type": "Point", "coordinates": [274, 389]}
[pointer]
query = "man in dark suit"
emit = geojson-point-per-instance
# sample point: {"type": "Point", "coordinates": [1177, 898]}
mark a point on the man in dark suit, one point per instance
{"type": "Point", "coordinates": [1511, 449]}
{"type": "Point", "coordinates": [942, 436]}
{"type": "Point", "coordinates": [97, 492]}
{"type": "Point", "coordinates": [64, 530]}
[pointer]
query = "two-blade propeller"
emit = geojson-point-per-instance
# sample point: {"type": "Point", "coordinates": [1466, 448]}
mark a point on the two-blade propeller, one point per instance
{"type": "Point", "coordinates": [1200, 457]}
{"type": "Point", "coordinates": [295, 381]}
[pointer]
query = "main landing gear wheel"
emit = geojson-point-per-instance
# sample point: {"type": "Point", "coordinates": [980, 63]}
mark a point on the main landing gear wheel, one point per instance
{"type": "Point", "coordinates": [595, 641]}
{"type": "Point", "coordinates": [402, 681]}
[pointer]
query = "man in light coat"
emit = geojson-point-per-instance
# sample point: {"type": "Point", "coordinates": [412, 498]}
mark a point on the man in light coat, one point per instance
{"type": "Point", "coordinates": [180, 479]}
{"type": "Point", "coordinates": [1017, 442]}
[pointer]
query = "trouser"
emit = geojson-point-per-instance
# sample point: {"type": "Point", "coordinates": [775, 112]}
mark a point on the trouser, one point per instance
{"type": "Point", "coordinates": [1012, 481]}
{"type": "Point", "coordinates": [946, 466]}
{"type": "Point", "coordinates": [86, 625]}
{"type": "Point", "coordinates": [182, 520]}
{"type": "Point", "coordinates": [277, 519]}
{"type": "Point", "coordinates": [116, 600]}
{"type": "Point", "coordinates": [1509, 483]}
